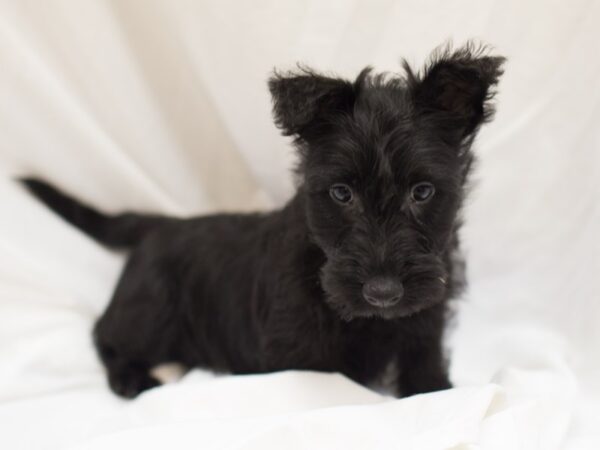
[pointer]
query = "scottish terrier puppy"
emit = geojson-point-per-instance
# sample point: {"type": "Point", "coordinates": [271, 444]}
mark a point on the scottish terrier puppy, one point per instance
{"type": "Point", "coordinates": [353, 274]}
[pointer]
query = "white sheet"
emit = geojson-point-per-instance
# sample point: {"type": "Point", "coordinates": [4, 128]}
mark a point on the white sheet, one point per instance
{"type": "Point", "coordinates": [163, 106]}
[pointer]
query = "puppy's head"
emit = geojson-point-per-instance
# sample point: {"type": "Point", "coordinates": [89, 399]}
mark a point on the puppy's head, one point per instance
{"type": "Point", "coordinates": [383, 163]}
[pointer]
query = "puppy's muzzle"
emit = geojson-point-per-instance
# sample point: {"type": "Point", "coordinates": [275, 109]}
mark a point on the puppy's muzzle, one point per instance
{"type": "Point", "coordinates": [383, 292]}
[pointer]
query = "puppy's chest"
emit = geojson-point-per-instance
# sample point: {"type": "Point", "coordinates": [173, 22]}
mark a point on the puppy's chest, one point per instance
{"type": "Point", "coordinates": [368, 344]}
{"type": "Point", "coordinates": [342, 348]}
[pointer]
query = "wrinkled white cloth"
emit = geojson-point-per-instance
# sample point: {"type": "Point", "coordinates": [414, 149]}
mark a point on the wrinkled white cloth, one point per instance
{"type": "Point", "coordinates": [162, 106]}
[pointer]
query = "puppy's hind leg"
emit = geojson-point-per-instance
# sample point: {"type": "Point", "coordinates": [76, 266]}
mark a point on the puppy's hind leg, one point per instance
{"type": "Point", "coordinates": [127, 377]}
{"type": "Point", "coordinates": [139, 329]}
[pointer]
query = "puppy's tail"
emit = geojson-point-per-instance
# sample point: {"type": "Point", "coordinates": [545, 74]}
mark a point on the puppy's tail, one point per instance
{"type": "Point", "coordinates": [119, 231]}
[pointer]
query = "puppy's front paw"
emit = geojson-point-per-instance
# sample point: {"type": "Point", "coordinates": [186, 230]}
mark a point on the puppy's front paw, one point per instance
{"type": "Point", "coordinates": [424, 385]}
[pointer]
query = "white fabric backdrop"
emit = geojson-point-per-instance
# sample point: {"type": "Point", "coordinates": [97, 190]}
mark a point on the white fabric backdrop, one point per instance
{"type": "Point", "coordinates": [163, 106]}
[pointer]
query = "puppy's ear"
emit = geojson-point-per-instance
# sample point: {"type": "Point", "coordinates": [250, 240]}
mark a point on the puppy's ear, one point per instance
{"type": "Point", "coordinates": [301, 100]}
{"type": "Point", "coordinates": [457, 87]}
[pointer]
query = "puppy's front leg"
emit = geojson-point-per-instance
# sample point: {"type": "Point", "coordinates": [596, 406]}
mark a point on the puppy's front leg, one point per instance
{"type": "Point", "coordinates": [422, 367]}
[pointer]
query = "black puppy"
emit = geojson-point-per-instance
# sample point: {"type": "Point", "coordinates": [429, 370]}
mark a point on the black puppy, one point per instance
{"type": "Point", "coordinates": [353, 274]}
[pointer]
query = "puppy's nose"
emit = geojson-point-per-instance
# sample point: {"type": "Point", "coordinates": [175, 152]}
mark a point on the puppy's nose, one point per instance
{"type": "Point", "coordinates": [383, 291]}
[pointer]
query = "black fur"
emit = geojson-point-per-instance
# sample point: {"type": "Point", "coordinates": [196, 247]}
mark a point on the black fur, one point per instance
{"type": "Point", "coordinates": [247, 293]}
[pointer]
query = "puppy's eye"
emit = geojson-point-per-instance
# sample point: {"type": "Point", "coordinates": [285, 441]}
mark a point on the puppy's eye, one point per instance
{"type": "Point", "coordinates": [422, 192]}
{"type": "Point", "coordinates": [341, 193]}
